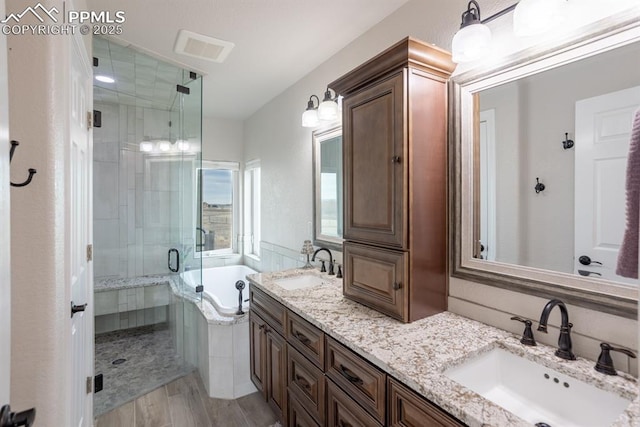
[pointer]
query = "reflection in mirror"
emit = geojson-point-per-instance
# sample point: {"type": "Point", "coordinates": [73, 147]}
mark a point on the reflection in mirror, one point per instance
{"type": "Point", "coordinates": [511, 126]}
{"type": "Point", "coordinates": [546, 206]}
{"type": "Point", "coordinates": [580, 214]}
{"type": "Point", "coordinates": [327, 177]}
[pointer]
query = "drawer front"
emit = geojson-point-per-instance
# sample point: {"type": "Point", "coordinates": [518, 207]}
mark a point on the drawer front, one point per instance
{"type": "Point", "coordinates": [343, 411]}
{"type": "Point", "coordinates": [306, 383]}
{"type": "Point", "coordinates": [408, 409]}
{"type": "Point", "coordinates": [361, 380]}
{"type": "Point", "coordinates": [306, 338]}
{"type": "Point", "coordinates": [298, 417]}
{"type": "Point", "coordinates": [270, 310]}
{"type": "Point", "coordinates": [377, 278]}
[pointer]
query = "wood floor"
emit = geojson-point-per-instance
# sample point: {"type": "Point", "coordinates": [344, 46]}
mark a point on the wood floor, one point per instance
{"type": "Point", "coordinates": [185, 403]}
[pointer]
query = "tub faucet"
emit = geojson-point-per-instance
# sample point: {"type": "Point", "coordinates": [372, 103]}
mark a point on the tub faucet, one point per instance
{"type": "Point", "coordinates": [240, 286]}
{"type": "Point", "coordinates": [564, 340]}
{"type": "Point", "coordinates": [331, 273]}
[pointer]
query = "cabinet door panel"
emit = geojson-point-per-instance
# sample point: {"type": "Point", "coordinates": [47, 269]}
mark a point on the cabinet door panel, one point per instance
{"type": "Point", "coordinates": [343, 411]}
{"type": "Point", "coordinates": [257, 350]}
{"type": "Point", "coordinates": [407, 409]}
{"type": "Point", "coordinates": [374, 153]}
{"type": "Point", "coordinates": [306, 338]}
{"type": "Point", "coordinates": [298, 417]}
{"type": "Point", "coordinates": [277, 373]}
{"type": "Point", "coordinates": [377, 278]}
{"type": "Point", "coordinates": [361, 380]}
{"type": "Point", "coordinates": [306, 383]}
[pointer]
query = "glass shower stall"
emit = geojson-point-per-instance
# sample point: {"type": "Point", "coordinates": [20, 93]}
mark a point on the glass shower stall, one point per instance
{"type": "Point", "coordinates": [147, 153]}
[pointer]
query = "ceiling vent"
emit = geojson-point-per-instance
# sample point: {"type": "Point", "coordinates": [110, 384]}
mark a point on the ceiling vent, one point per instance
{"type": "Point", "coordinates": [202, 47]}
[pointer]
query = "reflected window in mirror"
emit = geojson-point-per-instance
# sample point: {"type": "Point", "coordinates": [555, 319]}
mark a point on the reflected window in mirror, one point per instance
{"type": "Point", "coordinates": [217, 208]}
{"type": "Point", "coordinates": [327, 177]}
{"type": "Point", "coordinates": [576, 224]}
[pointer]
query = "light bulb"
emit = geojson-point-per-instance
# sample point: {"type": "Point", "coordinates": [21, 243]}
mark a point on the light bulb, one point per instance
{"type": "Point", "coordinates": [471, 42]}
{"type": "Point", "coordinates": [328, 110]}
{"type": "Point", "coordinates": [146, 146]}
{"type": "Point", "coordinates": [164, 146]}
{"type": "Point", "coordinates": [533, 17]}
{"type": "Point", "coordinates": [310, 118]}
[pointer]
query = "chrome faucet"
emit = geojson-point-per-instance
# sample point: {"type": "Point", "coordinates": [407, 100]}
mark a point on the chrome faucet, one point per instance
{"type": "Point", "coordinates": [564, 340]}
{"type": "Point", "coordinates": [331, 273]}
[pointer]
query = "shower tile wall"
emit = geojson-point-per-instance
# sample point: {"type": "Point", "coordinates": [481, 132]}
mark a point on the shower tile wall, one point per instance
{"type": "Point", "coordinates": [132, 218]}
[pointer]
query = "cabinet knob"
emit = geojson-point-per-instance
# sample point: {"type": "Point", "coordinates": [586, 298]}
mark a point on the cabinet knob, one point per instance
{"type": "Point", "coordinates": [395, 159]}
{"type": "Point", "coordinates": [397, 286]}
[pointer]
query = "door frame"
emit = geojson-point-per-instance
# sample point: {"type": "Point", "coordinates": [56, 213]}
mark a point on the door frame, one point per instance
{"type": "Point", "coordinates": [5, 224]}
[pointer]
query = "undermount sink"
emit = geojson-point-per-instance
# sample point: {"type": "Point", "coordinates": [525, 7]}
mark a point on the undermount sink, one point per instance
{"type": "Point", "coordinates": [537, 394]}
{"type": "Point", "coordinates": [299, 282]}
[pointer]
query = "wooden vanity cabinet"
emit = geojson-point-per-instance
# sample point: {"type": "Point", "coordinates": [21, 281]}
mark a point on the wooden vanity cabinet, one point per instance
{"type": "Point", "coordinates": [394, 129]}
{"type": "Point", "coordinates": [268, 351]}
{"type": "Point", "coordinates": [311, 380]}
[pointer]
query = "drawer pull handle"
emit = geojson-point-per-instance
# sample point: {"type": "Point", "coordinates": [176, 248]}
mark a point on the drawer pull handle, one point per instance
{"type": "Point", "coordinates": [343, 424]}
{"type": "Point", "coordinates": [302, 382]}
{"type": "Point", "coordinates": [350, 375]}
{"type": "Point", "coordinates": [302, 337]}
{"type": "Point", "coordinates": [261, 327]}
{"type": "Point", "coordinates": [395, 159]}
{"type": "Point", "coordinates": [397, 286]}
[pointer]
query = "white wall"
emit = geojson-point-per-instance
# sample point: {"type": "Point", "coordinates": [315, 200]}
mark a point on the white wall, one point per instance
{"type": "Point", "coordinates": [274, 135]}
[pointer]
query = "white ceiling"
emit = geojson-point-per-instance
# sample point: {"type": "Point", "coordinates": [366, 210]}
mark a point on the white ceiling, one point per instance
{"type": "Point", "coordinates": [277, 42]}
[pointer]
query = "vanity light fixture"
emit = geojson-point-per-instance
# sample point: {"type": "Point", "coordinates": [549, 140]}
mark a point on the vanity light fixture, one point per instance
{"type": "Point", "coordinates": [164, 146]}
{"type": "Point", "coordinates": [183, 145]}
{"type": "Point", "coordinates": [146, 146]}
{"type": "Point", "coordinates": [310, 116]}
{"type": "Point", "coordinates": [533, 17]}
{"type": "Point", "coordinates": [105, 79]}
{"type": "Point", "coordinates": [328, 108]}
{"type": "Point", "coordinates": [473, 39]}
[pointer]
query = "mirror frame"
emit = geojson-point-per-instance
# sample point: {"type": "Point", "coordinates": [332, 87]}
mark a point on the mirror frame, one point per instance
{"type": "Point", "coordinates": [319, 239]}
{"type": "Point", "coordinates": [602, 295]}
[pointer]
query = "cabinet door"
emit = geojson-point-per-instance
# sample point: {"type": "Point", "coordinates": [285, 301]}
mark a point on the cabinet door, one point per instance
{"type": "Point", "coordinates": [276, 389]}
{"type": "Point", "coordinates": [407, 409]}
{"type": "Point", "coordinates": [257, 350]}
{"type": "Point", "coordinates": [375, 164]}
{"type": "Point", "coordinates": [343, 411]}
{"type": "Point", "coordinates": [377, 278]}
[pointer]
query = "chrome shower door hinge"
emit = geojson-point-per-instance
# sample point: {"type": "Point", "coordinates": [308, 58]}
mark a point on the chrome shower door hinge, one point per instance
{"type": "Point", "coordinates": [89, 253]}
{"type": "Point", "coordinates": [89, 119]}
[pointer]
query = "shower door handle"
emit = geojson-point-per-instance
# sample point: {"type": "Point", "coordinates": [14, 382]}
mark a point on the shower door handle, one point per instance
{"type": "Point", "coordinates": [177, 260]}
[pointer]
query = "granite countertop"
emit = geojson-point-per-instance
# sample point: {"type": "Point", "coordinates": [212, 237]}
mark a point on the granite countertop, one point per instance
{"type": "Point", "coordinates": [119, 283]}
{"type": "Point", "coordinates": [418, 353]}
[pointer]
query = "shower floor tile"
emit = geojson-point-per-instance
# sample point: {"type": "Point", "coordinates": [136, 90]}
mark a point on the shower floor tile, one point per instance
{"type": "Point", "coordinates": [150, 362]}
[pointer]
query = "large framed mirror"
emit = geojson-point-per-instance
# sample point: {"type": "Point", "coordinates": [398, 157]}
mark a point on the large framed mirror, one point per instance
{"type": "Point", "coordinates": [327, 187]}
{"type": "Point", "coordinates": [539, 161]}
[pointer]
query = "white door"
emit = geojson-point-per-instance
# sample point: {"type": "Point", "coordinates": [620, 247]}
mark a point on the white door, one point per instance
{"type": "Point", "coordinates": [5, 231]}
{"type": "Point", "coordinates": [488, 184]}
{"type": "Point", "coordinates": [79, 233]}
{"type": "Point", "coordinates": [603, 130]}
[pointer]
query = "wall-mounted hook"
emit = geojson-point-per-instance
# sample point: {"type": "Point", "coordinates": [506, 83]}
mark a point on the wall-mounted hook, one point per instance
{"type": "Point", "coordinates": [32, 171]}
{"type": "Point", "coordinates": [567, 143]}
{"type": "Point", "coordinates": [539, 186]}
